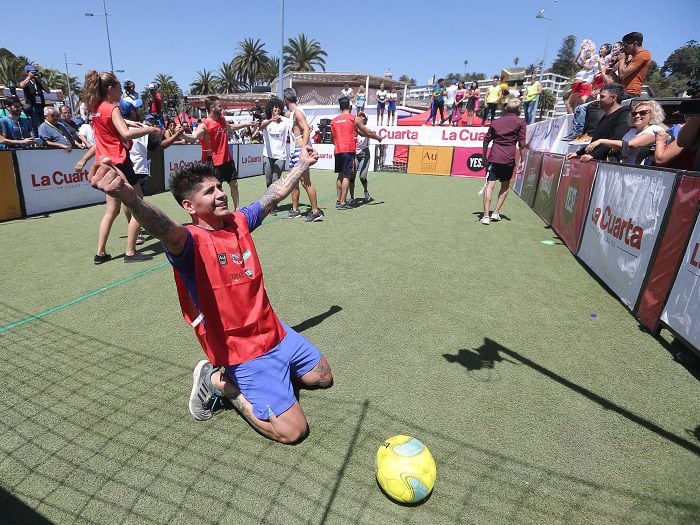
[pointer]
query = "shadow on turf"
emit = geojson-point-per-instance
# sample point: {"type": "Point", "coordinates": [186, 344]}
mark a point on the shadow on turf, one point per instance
{"type": "Point", "coordinates": [16, 511]}
{"type": "Point", "coordinates": [317, 319]}
{"type": "Point", "coordinates": [480, 214]}
{"type": "Point", "coordinates": [489, 353]}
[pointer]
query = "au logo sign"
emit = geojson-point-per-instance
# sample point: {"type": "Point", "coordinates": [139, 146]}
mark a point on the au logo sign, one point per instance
{"type": "Point", "coordinates": [430, 160]}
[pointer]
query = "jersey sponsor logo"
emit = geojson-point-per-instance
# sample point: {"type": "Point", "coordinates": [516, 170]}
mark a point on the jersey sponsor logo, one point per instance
{"type": "Point", "coordinates": [246, 255]}
{"type": "Point", "coordinates": [249, 273]}
{"type": "Point", "coordinates": [222, 259]}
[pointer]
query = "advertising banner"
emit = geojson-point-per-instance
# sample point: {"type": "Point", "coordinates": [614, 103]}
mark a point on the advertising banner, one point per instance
{"type": "Point", "coordinates": [249, 163]}
{"type": "Point", "coordinates": [326, 159]}
{"type": "Point", "coordinates": [627, 210]}
{"type": "Point", "coordinates": [547, 187]}
{"type": "Point", "coordinates": [465, 137]}
{"type": "Point", "coordinates": [547, 135]}
{"type": "Point", "coordinates": [426, 160]}
{"type": "Point", "coordinates": [468, 162]}
{"type": "Point", "coordinates": [9, 196]}
{"type": "Point", "coordinates": [177, 156]}
{"type": "Point", "coordinates": [573, 196]}
{"type": "Point", "coordinates": [520, 176]}
{"type": "Point", "coordinates": [675, 237]}
{"type": "Point", "coordinates": [682, 311]}
{"type": "Point", "coordinates": [533, 165]}
{"type": "Point", "coordinates": [50, 182]}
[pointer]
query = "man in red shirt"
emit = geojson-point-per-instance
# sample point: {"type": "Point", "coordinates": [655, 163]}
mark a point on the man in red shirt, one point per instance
{"type": "Point", "coordinates": [213, 137]}
{"type": "Point", "coordinates": [633, 63]}
{"type": "Point", "coordinates": [344, 129]}
{"type": "Point", "coordinates": [253, 359]}
{"type": "Point", "coordinates": [505, 132]}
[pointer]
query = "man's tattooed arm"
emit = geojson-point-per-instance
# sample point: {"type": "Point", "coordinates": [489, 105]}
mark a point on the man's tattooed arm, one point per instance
{"type": "Point", "coordinates": [158, 224]}
{"type": "Point", "coordinates": [282, 187]}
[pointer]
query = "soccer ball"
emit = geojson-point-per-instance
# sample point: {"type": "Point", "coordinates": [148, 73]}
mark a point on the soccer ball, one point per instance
{"type": "Point", "coordinates": [405, 469]}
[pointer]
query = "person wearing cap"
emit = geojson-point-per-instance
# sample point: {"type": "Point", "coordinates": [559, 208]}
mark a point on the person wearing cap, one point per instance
{"type": "Point", "coordinates": [15, 130]}
{"type": "Point", "coordinates": [34, 87]}
{"type": "Point", "coordinates": [130, 94]}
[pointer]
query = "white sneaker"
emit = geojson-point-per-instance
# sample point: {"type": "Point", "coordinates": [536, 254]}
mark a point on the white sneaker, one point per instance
{"type": "Point", "coordinates": [495, 216]}
{"type": "Point", "coordinates": [485, 220]}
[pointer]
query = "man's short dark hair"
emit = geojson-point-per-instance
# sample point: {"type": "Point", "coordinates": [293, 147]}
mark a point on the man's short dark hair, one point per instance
{"type": "Point", "coordinates": [290, 95]}
{"type": "Point", "coordinates": [614, 89]}
{"type": "Point", "coordinates": [441, 80]}
{"type": "Point", "coordinates": [209, 101]}
{"type": "Point", "coordinates": [274, 103]}
{"type": "Point", "coordinates": [344, 103]}
{"type": "Point", "coordinates": [185, 180]}
{"type": "Point", "coordinates": [631, 38]}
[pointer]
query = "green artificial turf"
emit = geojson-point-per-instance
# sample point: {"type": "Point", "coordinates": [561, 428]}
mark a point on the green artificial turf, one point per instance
{"type": "Point", "coordinates": [478, 340]}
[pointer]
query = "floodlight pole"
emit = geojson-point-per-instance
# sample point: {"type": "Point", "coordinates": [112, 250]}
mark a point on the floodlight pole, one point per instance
{"type": "Point", "coordinates": [280, 67]}
{"type": "Point", "coordinates": [546, 45]}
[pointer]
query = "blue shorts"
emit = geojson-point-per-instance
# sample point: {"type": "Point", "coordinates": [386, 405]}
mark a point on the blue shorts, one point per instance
{"type": "Point", "coordinates": [294, 157]}
{"type": "Point", "coordinates": [391, 106]}
{"type": "Point", "coordinates": [266, 380]}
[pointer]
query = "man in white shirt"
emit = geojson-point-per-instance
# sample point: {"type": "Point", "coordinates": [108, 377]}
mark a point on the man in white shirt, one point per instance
{"type": "Point", "coordinates": [275, 128]}
{"type": "Point", "coordinates": [348, 93]}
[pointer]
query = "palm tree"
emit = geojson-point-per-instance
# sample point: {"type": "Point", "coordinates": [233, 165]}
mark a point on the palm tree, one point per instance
{"type": "Point", "coordinates": [11, 70]}
{"type": "Point", "coordinates": [226, 78]}
{"type": "Point", "coordinates": [250, 61]}
{"type": "Point", "coordinates": [407, 80]}
{"type": "Point", "coordinates": [167, 86]}
{"type": "Point", "coordinates": [545, 102]}
{"type": "Point", "coordinates": [203, 83]}
{"type": "Point", "coordinates": [304, 54]}
{"type": "Point", "coordinates": [270, 70]}
{"type": "Point", "coordinates": [531, 69]}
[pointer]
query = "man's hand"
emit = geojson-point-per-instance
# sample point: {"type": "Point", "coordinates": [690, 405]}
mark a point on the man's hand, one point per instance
{"type": "Point", "coordinates": [79, 165]}
{"type": "Point", "coordinates": [68, 148]}
{"type": "Point", "coordinates": [29, 141]}
{"type": "Point", "coordinates": [309, 155]}
{"type": "Point", "coordinates": [570, 156]}
{"type": "Point", "coordinates": [593, 145]}
{"type": "Point", "coordinates": [585, 158]}
{"type": "Point", "coordinates": [105, 177]}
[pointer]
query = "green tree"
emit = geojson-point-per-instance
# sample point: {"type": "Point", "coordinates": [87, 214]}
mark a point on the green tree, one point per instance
{"type": "Point", "coordinates": [469, 77]}
{"type": "Point", "coordinates": [532, 69]}
{"type": "Point", "coordinates": [304, 54]}
{"type": "Point", "coordinates": [11, 70]}
{"type": "Point", "coordinates": [204, 83]}
{"type": "Point", "coordinates": [227, 78]}
{"type": "Point", "coordinates": [564, 64]}
{"type": "Point", "coordinates": [407, 80]}
{"type": "Point", "coordinates": [270, 70]}
{"type": "Point", "coordinates": [682, 66]}
{"type": "Point", "coordinates": [250, 61]}
{"type": "Point", "coordinates": [546, 102]}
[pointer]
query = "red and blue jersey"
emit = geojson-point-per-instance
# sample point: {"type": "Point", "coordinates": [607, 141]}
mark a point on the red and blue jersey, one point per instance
{"type": "Point", "coordinates": [222, 293]}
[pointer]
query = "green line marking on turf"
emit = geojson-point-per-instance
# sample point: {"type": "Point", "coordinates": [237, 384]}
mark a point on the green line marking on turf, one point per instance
{"type": "Point", "coordinates": [80, 298]}
{"type": "Point", "coordinates": [125, 280]}
{"type": "Point", "coordinates": [548, 243]}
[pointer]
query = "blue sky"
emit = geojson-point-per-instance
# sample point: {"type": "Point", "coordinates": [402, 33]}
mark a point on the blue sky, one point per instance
{"type": "Point", "coordinates": [414, 38]}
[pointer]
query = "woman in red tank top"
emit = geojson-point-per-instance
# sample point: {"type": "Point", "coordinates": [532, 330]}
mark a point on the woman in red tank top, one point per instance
{"type": "Point", "coordinates": [102, 93]}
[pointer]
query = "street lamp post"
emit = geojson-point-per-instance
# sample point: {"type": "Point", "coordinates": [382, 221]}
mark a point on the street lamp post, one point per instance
{"type": "Point", "coordinates": [546, 44]}
{"type": "Point", "coordinates": [280, 67]}
{"type": "Point", "coordinates": [109, 43]}
{"type": "Point", "coordinates": [70, 95]}
{"type": "Point", "coordinates": [465, 70]}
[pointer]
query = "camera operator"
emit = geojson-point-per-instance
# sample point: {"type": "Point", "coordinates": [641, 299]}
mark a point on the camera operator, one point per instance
{"type": "Point", "coordinates": [34, 87]}
{"type": "Point", "coordinates": [130, 94]}
{"type": "Point", "coordinates": [15, 131]}
{"type": "Point", "coordinates": [156, 106]}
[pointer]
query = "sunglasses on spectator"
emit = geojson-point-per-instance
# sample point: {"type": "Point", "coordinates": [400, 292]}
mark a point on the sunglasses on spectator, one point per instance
{"type": "Point", "coordinates": [641, 113]}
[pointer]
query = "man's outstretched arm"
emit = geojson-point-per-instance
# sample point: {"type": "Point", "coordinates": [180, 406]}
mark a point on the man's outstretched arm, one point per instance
{"type": "Point", "coordinates": [105, 177]}
{"type": "Point", "coordinates": [282, 187]}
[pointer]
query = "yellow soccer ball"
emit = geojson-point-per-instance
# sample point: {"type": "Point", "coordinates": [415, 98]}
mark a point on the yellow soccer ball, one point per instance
{"type": "Point", "coordinates": [405, 469]}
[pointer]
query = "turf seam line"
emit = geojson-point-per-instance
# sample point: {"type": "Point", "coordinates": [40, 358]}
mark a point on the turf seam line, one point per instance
{"type": "Point", "coordinates": [81, 298]}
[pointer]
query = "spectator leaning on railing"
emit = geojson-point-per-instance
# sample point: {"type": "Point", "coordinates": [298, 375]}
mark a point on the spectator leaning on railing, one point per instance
{"type": "Point", "coordinates": [15, 131]}
{"type": "Point", "coordinates": [613, 125]}
{"type": "Point", "coordinates": [51, 133]}
{"type": "Point", "coordinates": [634, 146]}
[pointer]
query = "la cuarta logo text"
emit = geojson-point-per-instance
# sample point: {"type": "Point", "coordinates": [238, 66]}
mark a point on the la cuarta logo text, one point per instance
{"type": "Point", "coordinates": [622, 229]}
{"type": "Point", "coordinates": [58, 178]}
